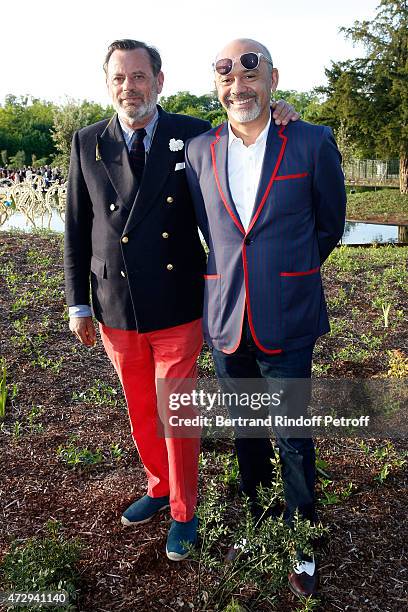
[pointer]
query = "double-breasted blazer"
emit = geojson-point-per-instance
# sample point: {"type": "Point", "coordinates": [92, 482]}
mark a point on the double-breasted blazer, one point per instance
{"type": "Point", "coordinates": [135, 246]}
{"type": "Point", "coordinates": [272, 269]}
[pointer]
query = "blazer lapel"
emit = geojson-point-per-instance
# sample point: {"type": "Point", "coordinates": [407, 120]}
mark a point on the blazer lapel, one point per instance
{"type": "Point", "coordinates": [274, 150]}
{"type": "Point", "coordinates": [219, 155]}
{"type": "Point", "coordinates": [113, 154]}
{"type": "Point", "coordinates": [159, 163]}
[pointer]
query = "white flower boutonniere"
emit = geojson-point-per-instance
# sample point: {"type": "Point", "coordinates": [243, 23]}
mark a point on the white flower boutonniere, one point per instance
{"type": "Point", "coordinates": [175, 145]}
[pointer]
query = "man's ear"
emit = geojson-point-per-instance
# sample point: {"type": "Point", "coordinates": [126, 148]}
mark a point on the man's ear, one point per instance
{"type": "Point", "coordinates": [160, 81]}
{"type": "Point", "coordinates": [275, 78]}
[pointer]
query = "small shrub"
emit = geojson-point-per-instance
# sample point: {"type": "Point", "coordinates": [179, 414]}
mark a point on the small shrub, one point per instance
{"type": "Point", "coordinates": [47, 563]}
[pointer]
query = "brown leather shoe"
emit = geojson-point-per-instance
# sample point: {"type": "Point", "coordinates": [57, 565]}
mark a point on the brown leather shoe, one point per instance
{"type": "Point", "coordinates": [237, 549]}
{"type": "Point", "coordinates": [303, 585]}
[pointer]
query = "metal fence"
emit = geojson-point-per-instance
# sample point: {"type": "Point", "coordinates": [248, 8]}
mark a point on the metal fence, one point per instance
{"type": "Point", "coordinates": [372, 172]}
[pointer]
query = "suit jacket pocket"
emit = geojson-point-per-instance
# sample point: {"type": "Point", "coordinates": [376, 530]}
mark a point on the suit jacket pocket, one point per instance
{"type": "Point", "coordinates": [98, 266]}
{"type": "Point", "coordinates": [212, 306]}
{"type": "Point", "coordinates": [301, 294]}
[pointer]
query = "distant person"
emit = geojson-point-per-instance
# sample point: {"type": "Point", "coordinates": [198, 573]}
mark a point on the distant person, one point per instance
{"type": "Point", "coordinates": [271, 206]}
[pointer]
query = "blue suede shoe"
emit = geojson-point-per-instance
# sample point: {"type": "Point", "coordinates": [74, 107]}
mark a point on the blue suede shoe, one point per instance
{"type": "Point", "coordinates": [144, 509]}
{"type": "Point", "coordinates": [179, 534]}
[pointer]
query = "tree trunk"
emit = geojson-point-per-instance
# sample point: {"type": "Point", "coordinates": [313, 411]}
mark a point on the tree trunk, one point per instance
{"type": "Point", "coordinates": [403, 173]}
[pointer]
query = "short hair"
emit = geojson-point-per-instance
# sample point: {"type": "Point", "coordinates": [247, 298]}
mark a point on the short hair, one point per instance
{"type": "Point", "coordinates": [128, 44]}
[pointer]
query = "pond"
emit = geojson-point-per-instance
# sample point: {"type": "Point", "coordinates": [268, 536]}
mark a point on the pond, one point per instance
{"type": "Point", "coordinates": [365, 233]}
{"type": "Point", "coordinates": [354, 233]}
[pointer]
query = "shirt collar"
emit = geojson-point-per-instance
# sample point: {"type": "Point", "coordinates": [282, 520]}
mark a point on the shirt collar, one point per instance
{"type": "Point", "coordinates": [150, 127]}
{"type": "Point", "coordinates": [262, 136]}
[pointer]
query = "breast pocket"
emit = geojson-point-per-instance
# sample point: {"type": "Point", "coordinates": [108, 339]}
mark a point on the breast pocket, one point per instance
{"type": "Point", "coordinates": [293, 193]}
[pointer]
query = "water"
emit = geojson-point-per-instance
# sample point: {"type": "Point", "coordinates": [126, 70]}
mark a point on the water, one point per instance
{"type": "Point", "coordinates": [355, 233]}
{"type": "Point", "coordinates": [365, 233]}
{"type": "Point", "coordinates": [19, 221]}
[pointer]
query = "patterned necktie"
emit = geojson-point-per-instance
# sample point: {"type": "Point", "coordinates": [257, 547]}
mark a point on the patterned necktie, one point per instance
{"type": "Point", "coordinates": [137, 154]}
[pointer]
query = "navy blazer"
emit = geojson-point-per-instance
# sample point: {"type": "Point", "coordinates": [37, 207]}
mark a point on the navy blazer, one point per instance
{"type": "Point", "coordinates": [137, 246]}
{"type": "Point", "coordinates": [273, 269]}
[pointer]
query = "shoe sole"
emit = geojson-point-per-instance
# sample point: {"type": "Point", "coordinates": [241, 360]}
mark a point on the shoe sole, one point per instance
{"type": "Point", "coordinates": [173, 556]}
{"type": "Point", "coordinates": [126, 523]}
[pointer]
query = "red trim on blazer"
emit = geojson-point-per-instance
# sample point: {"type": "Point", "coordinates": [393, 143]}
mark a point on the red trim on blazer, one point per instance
{"type": "Point", "coordinates": [251, 325]}
{"type": "Point", "coordinates": [234, 348]}
{"type": "Point", "coordinates": [212, 276]}
{"type": "Point", "coordinates": [274, 173]}
{"type": "Point", "coordinates": [217, 180]}
{"type": "Point", "coordinates": [312, 271]}
{"type": "Point", "coordinates": [291, 176]}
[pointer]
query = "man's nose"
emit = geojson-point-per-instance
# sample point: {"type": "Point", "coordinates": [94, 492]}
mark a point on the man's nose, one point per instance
{"type": "Point", "coordinates": [238, 86]}
{"type": "Point", "coordinates": [128, 82]}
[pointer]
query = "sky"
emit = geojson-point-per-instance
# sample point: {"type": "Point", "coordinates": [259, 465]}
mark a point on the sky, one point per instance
{"type": "Point", "coordinates": [54, 50]}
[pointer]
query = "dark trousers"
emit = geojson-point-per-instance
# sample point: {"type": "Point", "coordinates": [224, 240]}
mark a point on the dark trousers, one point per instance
{"type": "Point", "coordinates": [297, 455]}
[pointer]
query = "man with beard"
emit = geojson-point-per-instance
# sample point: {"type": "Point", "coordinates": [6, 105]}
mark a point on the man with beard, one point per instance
{"type": "Point", "coordinates": [271, 205]}
{"type": "Point", "coordinates": [131, 230]}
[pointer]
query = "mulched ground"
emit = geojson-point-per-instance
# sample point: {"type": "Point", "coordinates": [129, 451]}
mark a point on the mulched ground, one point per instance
{"type": "Point", "coordinates": [363, 565]}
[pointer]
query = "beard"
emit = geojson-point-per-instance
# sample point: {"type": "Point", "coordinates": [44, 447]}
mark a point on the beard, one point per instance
{"type": "Point", "coordinates": [244, 115]}
{"type": "Point", "coordinates": [137, 113]}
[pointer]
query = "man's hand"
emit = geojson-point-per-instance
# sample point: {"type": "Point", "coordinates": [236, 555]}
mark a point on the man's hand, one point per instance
{"type": "Point", "coordinates": [283, 112]}
{"type": "Point", "coordinates": [84, 329]}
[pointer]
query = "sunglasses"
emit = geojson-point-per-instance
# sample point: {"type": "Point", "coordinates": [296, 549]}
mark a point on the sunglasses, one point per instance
{"type": "Point", "coordinates": [249, 61]}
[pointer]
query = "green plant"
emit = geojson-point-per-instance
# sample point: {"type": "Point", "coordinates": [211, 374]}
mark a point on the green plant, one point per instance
{"type": "Point", "coordinates": [268, 549]}
{"type": "Point", "coordinates": [48, 563]}
{"type": "Point", "coordinates": [309, 604]}
{"type": "Point", "coordinates": [397, 364]}
{"type": "Point", "coordinates": [16, 430]}
{"type": "Point", "coordinates": [269, 545]}
{"type": "Point", "coordinates": [332, 495]}
{"type": "Point", "coordinates": [205, 362]}
{"type": "Point", "coordinates": [329, 494]}
{"type": "Point", "coordinates": [234, 606]}
{"type": "Point", "coordinates": [385, 458]}
{"type": "Point", "coordinates": [116, 452]}
{"type": "Point", "coordinates": [100, 394]}
{"type": "Point", "coordinates": [33, 415]}
{"type": "Point", "coordinates": [75, 456]}
{"type": "Point", "coordinates": [3, 388]}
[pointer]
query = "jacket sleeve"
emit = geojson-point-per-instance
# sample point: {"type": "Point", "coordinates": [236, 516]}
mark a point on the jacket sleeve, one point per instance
{"type": "Point", "coordinates": [78, 229]}
{"type": "Point", "coordinates": [196, 195]}
{"type": "Point", "coordinates": [329, 195]}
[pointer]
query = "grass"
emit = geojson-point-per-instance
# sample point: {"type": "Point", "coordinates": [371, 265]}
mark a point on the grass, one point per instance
{"type": "Point", "coordinates": [47, 563]}
{"type": "Point", "coordinates": [387, 205]}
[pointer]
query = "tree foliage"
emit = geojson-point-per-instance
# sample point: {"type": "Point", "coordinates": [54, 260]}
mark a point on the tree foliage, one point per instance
{"type": "Point", "coordinates": [25, 125]}
{"type": "Point", "coordinates": [71, 117]}
{"type": "Point", "coordinates": [205, 106]}
{"type": "Point", "coordinates": [369, 95]}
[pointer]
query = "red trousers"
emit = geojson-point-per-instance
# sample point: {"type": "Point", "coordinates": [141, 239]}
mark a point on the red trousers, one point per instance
{"type": "Point", "coordinates": [140, 359]}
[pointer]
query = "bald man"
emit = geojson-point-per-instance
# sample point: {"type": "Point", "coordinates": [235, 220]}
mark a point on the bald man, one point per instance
{"type": "Point", "coordinates": [270, 201]}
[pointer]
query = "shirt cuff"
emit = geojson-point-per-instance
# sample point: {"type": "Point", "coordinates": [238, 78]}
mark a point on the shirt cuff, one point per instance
{"type": "Point", "coordinates": [82, 310]}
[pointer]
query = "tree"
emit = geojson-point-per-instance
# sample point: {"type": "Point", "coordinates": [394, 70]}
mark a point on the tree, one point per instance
{"type": "Point", "coordinates": [71, 117]}
{"type": "Point", "coordinates": [18, 160]}
{"type": "Point", "coordinates": [206, 106]}
{"type": "Point", "coordinates": [370, 94]}
{"type": "Point", "coordinates": [307, 103]}
{"type": "Point", "coordinates": [25, 124]}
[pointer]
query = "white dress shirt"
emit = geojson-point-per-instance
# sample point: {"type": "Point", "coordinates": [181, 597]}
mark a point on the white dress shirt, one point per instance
{"type": "Point", "coordinates": [244, 171]}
